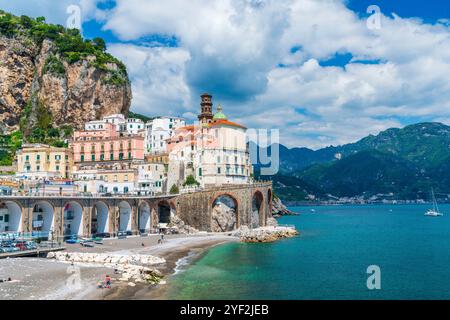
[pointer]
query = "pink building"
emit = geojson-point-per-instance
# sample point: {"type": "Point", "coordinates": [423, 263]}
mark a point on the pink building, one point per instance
{"type": "Point", "coordinates": [107, 145]}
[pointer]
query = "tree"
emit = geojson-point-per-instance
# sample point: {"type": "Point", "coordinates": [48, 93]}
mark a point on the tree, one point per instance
{"type": "Point", "coordinates": [190, 181]}
{"type": "Point", "coordinates": [99, 43]}
{"type": "Point", "coordinates": [174, 189]}
{"type": "Point", "coordinates": [53, 133]}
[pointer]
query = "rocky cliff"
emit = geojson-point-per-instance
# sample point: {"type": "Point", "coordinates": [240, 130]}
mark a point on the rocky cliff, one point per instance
{"type": "Point", "coordinates": [46, 67]}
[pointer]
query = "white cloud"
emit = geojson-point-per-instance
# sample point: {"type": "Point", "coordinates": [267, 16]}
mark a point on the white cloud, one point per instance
{"type": "Point", "coordinates": [158, 78]}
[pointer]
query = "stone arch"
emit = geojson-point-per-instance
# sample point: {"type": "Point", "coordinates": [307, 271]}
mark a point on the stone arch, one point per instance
{"type": "Point", "coordinates": [257, 215]}
{"type": "Point", "coordinates": [165, 211]}
{"type": "Point", "coordinates": [12, 219]}
{"type": "Point", "coordinates": [43, 219]}
{"type": "Point", "coordinates": [100, 218]}
{"type": "Point", "coordinates": [144, 217]}
{"type": "Point", "coordinates": [225, 213]}
{"type": "Point", "coordinates": [73, 219]}
{"type": "Point", "coordinates": [125, 216]}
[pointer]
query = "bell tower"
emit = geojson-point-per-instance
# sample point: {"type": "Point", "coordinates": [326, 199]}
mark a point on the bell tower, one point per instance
{"type": "Point", "coordinates": [206, 114]}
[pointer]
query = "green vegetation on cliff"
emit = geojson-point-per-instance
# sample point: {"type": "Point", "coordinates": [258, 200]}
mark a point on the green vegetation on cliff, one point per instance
{"type": "Point", "coordinates": [139, 116]}
{"type": "Point", "coordinates": [9, 144]}
{"type": "Point", "coordinates": [69, 43]}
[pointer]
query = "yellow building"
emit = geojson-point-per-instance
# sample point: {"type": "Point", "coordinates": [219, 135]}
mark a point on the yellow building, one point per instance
{"type": "Point", "coordinates": [40, 161]}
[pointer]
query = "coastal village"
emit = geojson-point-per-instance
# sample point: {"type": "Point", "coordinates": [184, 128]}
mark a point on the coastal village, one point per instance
{"type": "Point", "coordinates": [129, 185]}
{"type": "Point", "coordinates": [119, 155]}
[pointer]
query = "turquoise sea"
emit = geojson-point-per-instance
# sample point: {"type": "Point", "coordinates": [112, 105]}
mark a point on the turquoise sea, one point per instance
{"type": "Point", "coordinates": [329, 259]}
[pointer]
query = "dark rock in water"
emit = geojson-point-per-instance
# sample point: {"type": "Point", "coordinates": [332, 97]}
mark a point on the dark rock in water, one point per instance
{"type": "Point", "coordinates": [279, 209]}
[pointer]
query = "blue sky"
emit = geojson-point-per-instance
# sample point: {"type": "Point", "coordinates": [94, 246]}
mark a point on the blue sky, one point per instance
{"type": "Point", "coordinates": [314, 69]}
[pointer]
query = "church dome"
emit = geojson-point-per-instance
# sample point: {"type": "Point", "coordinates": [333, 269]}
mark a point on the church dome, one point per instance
{"type": "Point", "coordinates": [219, 115]}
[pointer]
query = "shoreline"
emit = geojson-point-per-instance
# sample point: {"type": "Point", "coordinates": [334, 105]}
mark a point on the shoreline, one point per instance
{"type": "Point", "coordinates": [49, 279]}
{"type": "Point", "coordinates": [176, 262]}
{"type": "Point", "coordinates": [179, 251]}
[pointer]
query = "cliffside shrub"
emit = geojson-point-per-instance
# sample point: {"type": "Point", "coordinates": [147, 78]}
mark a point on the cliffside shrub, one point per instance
{"type": "Point", "coordinates": [54, 66]}
{"type": "Point", "coordinates": [190, 181]}
{"type": "Point", "coordinates": [174, 189]}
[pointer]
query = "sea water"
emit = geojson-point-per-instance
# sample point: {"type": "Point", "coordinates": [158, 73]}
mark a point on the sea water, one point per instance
{"type": "Point", "coordinates": [331, 257]}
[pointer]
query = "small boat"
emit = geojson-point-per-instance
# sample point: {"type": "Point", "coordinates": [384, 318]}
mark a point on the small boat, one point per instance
{"type": "Point", "coordinates": [434, 212]}
{"type": "Point", "coordinates": [87, 244]}
{"type": "Point", "coordinates": [313, 210]}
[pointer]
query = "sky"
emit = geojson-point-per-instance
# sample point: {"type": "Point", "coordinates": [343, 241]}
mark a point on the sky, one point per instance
{"type": "Point", "coordinates": [323, 72]}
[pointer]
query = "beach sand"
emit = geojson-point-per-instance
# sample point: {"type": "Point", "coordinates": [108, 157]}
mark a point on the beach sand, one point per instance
{"type": "Point", "coordinates": [49, 279]}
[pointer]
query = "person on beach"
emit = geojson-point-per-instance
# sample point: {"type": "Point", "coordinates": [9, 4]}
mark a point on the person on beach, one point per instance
{"type": "Point", "coordinates": [108, 282]}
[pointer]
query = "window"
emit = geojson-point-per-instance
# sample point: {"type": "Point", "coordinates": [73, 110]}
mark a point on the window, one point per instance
{"type": "Point", "coordinates": [27, 158]}
{"type": "Point", "coordinates": [115, 178]}
{"type": "Point", "coordinates": [67, 157]}
{"type": "Point", "coordinates": [120, 156]}
{"type": "Point", "coordinates": [129, 155]}
{"type": "Point", "coordinates": [93, 157]}
{"type": "Point", "coordinates": [218, 170]}
{"type": "Point", "coordinates": [111, 156]}
{"type": "Point", "coordinates": [116, 190]}
{"type": "Point", "coordinates": [126, 178]}
{"type": "Point", "coordinates": [6, 217]}
{"type": "Point", "coordinates": [38, 168]}
{"type": "Point", "coordinates": [38, 157]}
{"type": "Point", "coordinates": [57, 168]}
{"type": "Point", "coordinates": [102, 157]}
{"type": "Point", "coordinates": [199, 172]}
{"type": "Point", "coordinates": [82, 158]}
{"type": "Point", "coordinates": [58, 157]}
{"type": "Point", "coordinates": [125, 189]}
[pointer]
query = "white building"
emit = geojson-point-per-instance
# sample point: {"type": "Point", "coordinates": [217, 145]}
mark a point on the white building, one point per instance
{"type": "Point", "coordinates": [119, 181]}
{"type": "Point", "coordinates": [215, 152]}
{"type": "Point", "coordinates": [118, 120]}
{"type": "Point", "coordinates": [131, 125]}
{"type": "Point", "coordinates": [158, 131]}
{"type": "Point", "coordinates": [151, 179]}
{"type": "Point", "coordinates": [135, 126]}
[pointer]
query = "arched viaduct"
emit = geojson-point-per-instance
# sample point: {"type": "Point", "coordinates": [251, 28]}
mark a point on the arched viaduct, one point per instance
{"type": "Point", "coordinates": [88, 216]}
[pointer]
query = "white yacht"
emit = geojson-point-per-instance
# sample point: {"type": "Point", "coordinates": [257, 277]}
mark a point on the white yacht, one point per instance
{"type": "Point", "coordinates": [435, 211]}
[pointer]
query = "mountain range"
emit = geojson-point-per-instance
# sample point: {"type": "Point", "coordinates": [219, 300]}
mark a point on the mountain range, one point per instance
{"type": "Point", "coordinates": [395, 164]}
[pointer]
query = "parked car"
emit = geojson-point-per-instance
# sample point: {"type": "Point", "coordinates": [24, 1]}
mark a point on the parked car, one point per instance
{"type": "Point", "coordinates": [31, 245]}
{"type": "Point", "coordinates": [22, 245]}
{"type": "Point", "coordinates": [102, 235]}
{"type": "Point", "coordinates": [122, 235]}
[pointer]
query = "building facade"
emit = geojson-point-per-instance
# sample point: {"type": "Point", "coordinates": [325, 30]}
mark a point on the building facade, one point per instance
{"type": "Point", "coordinates": [215, 152]}
{"type": "Point", "coordinates": [40, 161]}
{"type": "Point", "coordinates": [106, 145]}
{"type": "Point", "coordinates": [158, 131]}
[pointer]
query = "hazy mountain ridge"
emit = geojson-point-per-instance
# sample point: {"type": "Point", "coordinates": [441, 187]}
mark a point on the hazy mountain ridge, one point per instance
{"type": "Point", "coordinates": [398, 163]}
